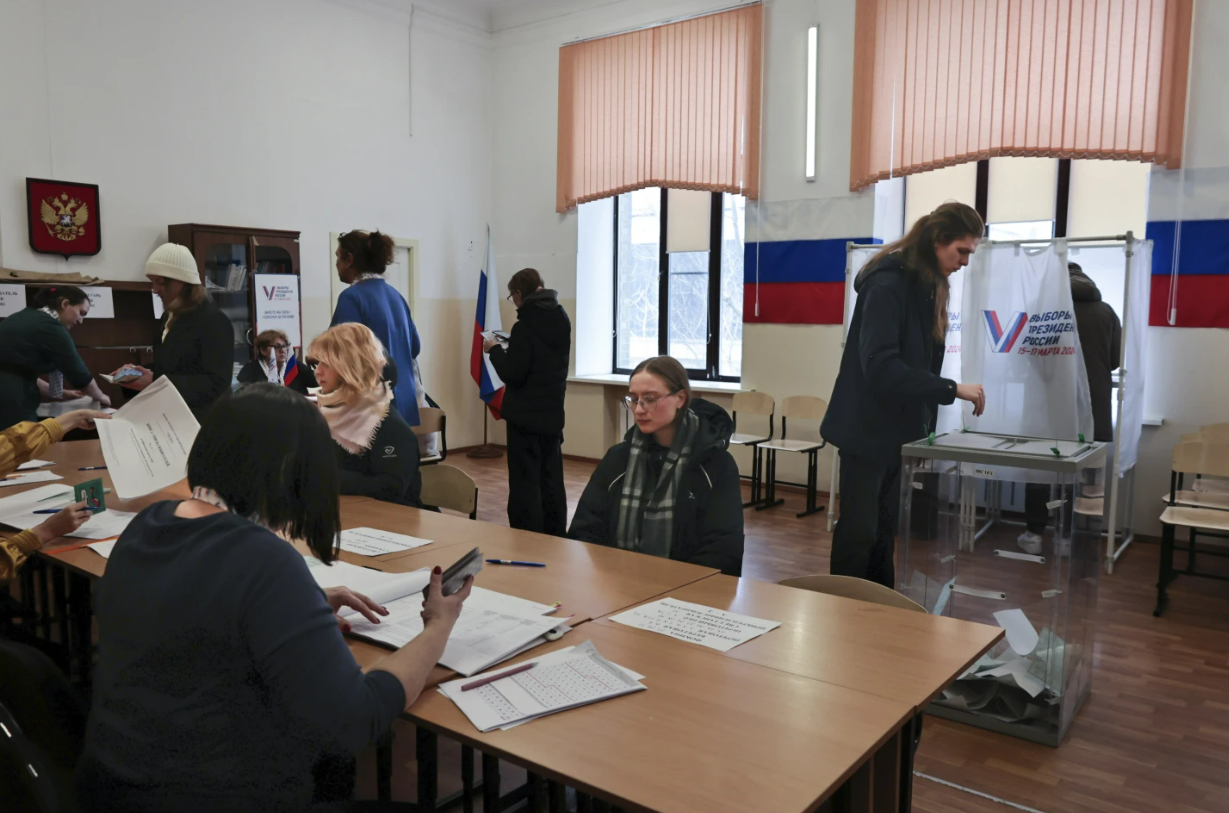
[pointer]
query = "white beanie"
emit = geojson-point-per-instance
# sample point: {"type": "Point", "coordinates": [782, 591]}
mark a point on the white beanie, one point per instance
{"type": "Point", "coordinates": [173, 261]}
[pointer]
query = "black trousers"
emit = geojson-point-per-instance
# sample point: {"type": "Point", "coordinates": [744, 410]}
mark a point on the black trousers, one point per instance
{"type": "Point", "coordinates": [865, 537]}
{"type": "Point", "coordinates": [536, 498]}
{"type": "Point", "coordinates": [1036, 514]}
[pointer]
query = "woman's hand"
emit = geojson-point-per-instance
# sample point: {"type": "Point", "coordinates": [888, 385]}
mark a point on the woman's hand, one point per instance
{"type": "Point", "coordinates": [63, 523]}
{"type": "Point", "coordinates": [81, 419]}
{"type": "Point", "coordinates": [488, 344]}
{"type": "Point", "coordinates": [441, 609]}
{"type": "Point", "coordinates": [147, 377]}
{"type": "Point", "coordinates": [70, 395]}
{"type": "Point", "coordinates": [339, 597]}
{"type": "Point", "coordinates": [974, 394]}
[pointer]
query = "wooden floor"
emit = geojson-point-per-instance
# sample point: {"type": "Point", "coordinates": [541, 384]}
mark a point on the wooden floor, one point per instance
{"type": "Point", "coordinates": [1154, 736]}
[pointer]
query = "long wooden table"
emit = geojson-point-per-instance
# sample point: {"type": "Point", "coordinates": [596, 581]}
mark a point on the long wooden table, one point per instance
{"type": "Point", "coordinates": [817, 712]}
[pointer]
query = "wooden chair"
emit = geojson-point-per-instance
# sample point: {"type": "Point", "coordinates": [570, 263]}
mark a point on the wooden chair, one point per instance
{"type": "Point", "coordinates": [431, 420]}
{"type": "Point", "coordinates": [448, 487]}
{"type": "Point", "coordinates": [857, 589]}
{"type": "Point", "coordinates": [1197, 458]}
{"type": "Point", "coordinates": [753, 403]}
{"type": "Point", "coordinates": [798, 407]}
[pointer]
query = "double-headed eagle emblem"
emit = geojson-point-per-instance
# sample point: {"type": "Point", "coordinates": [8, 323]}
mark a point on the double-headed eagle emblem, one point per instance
{"type": "Point", "coordinates": [65, 217]}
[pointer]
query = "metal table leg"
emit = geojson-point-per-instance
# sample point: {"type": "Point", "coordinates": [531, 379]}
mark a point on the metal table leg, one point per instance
{"type": "Point", "coordinates": [427, 753]}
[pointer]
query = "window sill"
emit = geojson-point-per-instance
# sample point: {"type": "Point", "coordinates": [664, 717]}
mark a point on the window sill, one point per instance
{"type": "Point", "coordinates": [619, 380]}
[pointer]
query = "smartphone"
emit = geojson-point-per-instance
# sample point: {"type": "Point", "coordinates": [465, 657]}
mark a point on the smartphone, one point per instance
{"type": "Point", "coordinates": [468, 565]}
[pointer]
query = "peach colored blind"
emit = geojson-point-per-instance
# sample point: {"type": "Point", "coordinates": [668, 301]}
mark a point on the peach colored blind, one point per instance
{"type": "Point", "coordinates": [676, 105]}
{"type": "Point", "coordinates": [941, 82]}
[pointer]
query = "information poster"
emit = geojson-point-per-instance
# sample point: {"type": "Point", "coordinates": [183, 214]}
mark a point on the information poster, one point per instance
{"type": "Point", "coordinates": [12, 299]}
{"type": "Point", "coordinates": [277, 305]}
{"type": "Point", "coordinates": [102, 303]}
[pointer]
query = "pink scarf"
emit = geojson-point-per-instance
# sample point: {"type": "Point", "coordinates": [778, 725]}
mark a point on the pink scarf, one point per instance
{"type": "Point", "coordinates": [354, 424]}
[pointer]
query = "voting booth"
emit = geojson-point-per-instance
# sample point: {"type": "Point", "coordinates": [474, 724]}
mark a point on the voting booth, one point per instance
{"type": "Point", "coordinates": [960, 561]}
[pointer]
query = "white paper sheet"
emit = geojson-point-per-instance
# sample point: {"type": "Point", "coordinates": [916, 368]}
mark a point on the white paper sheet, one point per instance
{"type": "Point", "coordinates": [1020, 633]}
{"type": "Point", "coordinates": [374, 542]}
{"type": "Point", "coordinates": [382, 588]}
{"type": "Point", "coordinates": [34, 499]}
{"type": "Point", "coordinates": [103, 525]}
{"type": "Point", "coordinates": [103, 549]}
{"type": "Point", "coordinates": [12, 299]}
{"type": "Point", "coordinates": [146, 442]}
{"type": "Point", "coordinates": [707, 626]}
{"type": "Point", "coordinates": [277, 305]}
{"type": "Point", "coordinates": [25, 478]}
{"type": "Point", "coordinates": [102, 302]}
{"type": "Point", "coordinates": [557, 685]}
{"type": "Point", "coordinates": [997, 595]}
{"type": "Point", "coordinates": [157, 306]}
{"type": "Point", "coordinates": [30, 465]}
{"type": "Point", "coordinates": [1018, 670]}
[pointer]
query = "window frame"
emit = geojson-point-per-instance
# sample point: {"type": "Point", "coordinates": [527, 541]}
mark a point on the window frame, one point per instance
{"type": "Point", "coordinates": [712, 362]}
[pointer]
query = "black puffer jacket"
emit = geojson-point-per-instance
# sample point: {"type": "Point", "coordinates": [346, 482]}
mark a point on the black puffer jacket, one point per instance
{"type": "Point", "coordinates": [889, 389]}
{"type": "Point", "coordinates": [535, 365]}
{"type": "Point", "coordinates": [708, 528]}
{"type": "Point", "coordinates": [1101, 342]}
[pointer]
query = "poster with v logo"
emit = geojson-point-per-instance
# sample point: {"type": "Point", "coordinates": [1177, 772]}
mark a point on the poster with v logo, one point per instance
{"type": "Point", "coordinates": [277, 306]}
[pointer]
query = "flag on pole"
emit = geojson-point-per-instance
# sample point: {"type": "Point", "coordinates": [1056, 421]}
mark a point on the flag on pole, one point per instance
{"type": "Point", "coordinates": [490, 387]}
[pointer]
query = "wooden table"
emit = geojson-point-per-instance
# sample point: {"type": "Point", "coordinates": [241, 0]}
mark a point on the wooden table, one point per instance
{"type": "Point", "coordinates": [905, 656]}
{"type": "Point", "coordinates": [711, 733]}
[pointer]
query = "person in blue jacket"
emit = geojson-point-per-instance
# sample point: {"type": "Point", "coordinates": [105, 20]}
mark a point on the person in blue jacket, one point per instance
{"type": "Point", "coordinates": [371, 301]}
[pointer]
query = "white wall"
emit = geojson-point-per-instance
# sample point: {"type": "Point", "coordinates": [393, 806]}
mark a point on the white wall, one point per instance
{"type": "Point", "coordinates": [289, 114]}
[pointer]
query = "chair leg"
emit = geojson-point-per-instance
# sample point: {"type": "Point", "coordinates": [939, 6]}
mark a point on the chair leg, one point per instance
{"type": "Point", "coordinates": [427, 751]}
{"type": "Point", "coordinates": [1165, 569]}
{"type": "Point", "coordinates": [812, 484]}
{"type": "Point", "coordinates": [770, 484]}
{"type": "Point", "coordinates": [467, 779]}
{"type": "Point", "coordinates": [490, 784]}
{"type": "Point", "coordinates": [755, 476]}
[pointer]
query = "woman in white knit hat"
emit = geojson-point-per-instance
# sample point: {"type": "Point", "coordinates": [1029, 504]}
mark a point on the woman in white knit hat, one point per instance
{"type": "Point", "coordinates": [195, 342]}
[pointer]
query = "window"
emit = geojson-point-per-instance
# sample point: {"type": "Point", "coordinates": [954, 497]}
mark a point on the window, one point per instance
{"type": "Point", "coordinates": [685, 304]}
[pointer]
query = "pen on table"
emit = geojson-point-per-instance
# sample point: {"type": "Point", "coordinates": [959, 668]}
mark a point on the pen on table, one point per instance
{"type": "Point", "coordinates": [514, 562]}
{"type": "Point", "coordinates": [58, 510]}
{"type": "Point", "coordinates": [92, 468]}
{"type": "Point", "coordinates": [477, 684]}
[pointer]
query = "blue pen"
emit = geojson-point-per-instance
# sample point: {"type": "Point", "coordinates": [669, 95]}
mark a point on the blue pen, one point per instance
{"type": "Point", "coordinates": [58, 510]}
{"type": "Point", "coordinates": [91, 468]}
{"type": "Point", "coordinates": [513, 562]}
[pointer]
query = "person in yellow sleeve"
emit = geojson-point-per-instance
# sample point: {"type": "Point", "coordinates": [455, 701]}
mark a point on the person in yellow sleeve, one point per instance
{"type": "Point", "coordinates": [20, 443]}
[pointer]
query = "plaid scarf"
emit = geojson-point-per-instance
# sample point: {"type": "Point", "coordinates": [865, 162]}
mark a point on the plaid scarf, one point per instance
{"type": "Point", "coordinates": [646, 510]}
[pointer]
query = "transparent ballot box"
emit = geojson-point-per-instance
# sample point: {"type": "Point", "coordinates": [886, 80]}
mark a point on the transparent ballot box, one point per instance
{"type": "Point", "coordinates": [965, 500]}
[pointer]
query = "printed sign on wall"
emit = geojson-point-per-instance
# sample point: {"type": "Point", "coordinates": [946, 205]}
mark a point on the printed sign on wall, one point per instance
{"type": "Point", "coordinates": [277, 305]}
{"type": "Point", "coordinates": [12, 299]}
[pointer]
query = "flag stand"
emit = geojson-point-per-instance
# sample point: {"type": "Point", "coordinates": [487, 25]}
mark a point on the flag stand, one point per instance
{"type": "Point", "coordinates": [486, 451]}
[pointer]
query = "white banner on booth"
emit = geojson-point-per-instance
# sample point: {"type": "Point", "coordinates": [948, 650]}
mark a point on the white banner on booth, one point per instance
{"type": "Point", "coordinates": [1020, 342]}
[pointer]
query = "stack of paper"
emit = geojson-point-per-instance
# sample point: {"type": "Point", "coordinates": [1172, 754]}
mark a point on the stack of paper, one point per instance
{"type": "Point", "coordinates": [30, 465]}
{"type": "Point", "coordinates": [373, 542]}
{"type": "Point", "coordinates": [20, 507]}
{"type": "Point", "coordinates": [103, 549]}
{"type": "Point", "coordinates": [562, 680]}
{"type": "Point", "coordinates": [27, 477]}
{"type": "Point", "coordinates": [707, 626]}
{"type": "Point", "coordinates": [380, 587]}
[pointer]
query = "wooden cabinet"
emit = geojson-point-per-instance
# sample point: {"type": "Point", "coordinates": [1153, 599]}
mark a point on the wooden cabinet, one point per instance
{"type": "Point", "coordinates": [227, 257]}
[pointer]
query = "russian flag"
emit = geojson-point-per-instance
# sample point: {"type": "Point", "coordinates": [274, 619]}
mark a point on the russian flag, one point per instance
{"type": "Point", "coordinates": [490, 387]}
{"type": "Point", "coordinates": [1197, 247]}
{"type": "Point", "coordinates": [292, 370]}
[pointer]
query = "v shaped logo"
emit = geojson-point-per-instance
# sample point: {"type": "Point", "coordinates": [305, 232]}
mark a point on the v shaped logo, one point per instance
{"type": "Point", "coordinates": [1002, 340]}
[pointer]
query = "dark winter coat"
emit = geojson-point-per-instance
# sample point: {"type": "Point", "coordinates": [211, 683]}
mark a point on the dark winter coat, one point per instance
{"type": "Point", "coordinates": [888, 390]}
{"type": "Point", "coordinates": [1101, 342]}
{"type": "Point", "coordinates": [708, 528]}
{"type": "Point", "coordinates": [197, 355]}
{"type": "Point", "coordinates": [388, 471]}
{"type": "Point", "coordinates": [534, 366]}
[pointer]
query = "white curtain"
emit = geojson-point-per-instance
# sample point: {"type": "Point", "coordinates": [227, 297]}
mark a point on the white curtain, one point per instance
{"type": "Point", "coordinates": [1019, 341]}
{"type": "Point", "coordinates": [1135, 332]}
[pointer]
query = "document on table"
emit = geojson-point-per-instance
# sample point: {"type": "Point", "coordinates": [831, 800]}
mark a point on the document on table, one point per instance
{"type": "Point", "coordinates": [34, 464]}
{"type": "Point", "coordinates": [25, 478]}
{"type": "Point", "coordinates": [20, 507]}
{"type": "Point", "coordinates": [581, 677]}
{"type": "Point", "coordinates": [104, 525]}
{"type": "Point", "coordinates": [707, 626]}
{"type": "Point", "coordinates": [146, 442]}
{"type": "Point", "coordinates": [103, 549]}
{"type": "Point", "coordinates": [373, 542]}
{"type": "Point", "coordinates": [382, 588]}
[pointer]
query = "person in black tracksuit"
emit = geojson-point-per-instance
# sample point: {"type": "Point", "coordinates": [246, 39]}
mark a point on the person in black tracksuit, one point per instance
{"type": "Point", "coordinates": [888, 390]}
{"type": "Point", "coordinates": [534, 369]}
{"type": "Point", "coordinates": [707, 523]}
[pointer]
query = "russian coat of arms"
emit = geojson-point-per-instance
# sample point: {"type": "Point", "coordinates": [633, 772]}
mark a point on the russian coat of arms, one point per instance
{"type": "Point", "coordinates": [64, 217]}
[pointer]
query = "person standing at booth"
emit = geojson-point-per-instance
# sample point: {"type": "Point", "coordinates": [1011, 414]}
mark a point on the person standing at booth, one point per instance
{"type": "Point", "coordinates": [888, 390]}
{"type": "Point", "coordinates": [371, 301]}
{"type": "Point", "coordinates": [195, 342]}
{"type": "Point", "coordinates": [534, 368]}
{"type": "Point", "coordinates": [35, 342]}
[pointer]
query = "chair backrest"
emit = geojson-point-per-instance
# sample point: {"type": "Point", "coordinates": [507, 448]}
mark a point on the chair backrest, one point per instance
{"type": "Point", "coordinates": [754, 403]}
{"type": "Point", "coordinates": [1218, 432]}
{"type": "Point", "coordinates": [802, 407]}
{"type": "Point", "coordinates": [46, 705]}
{"type": "Point", "coordinates": [1202, 457]}
{"type": "Point", "coordinates": [448, 487]}
{"type": "Point", "coordinates": [430, 421]}
{"type": "Point", "coordinates": [859, 589]}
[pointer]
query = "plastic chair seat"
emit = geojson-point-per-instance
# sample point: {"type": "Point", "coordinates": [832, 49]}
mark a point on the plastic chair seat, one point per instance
{"type": "Point", "coordinates": [1200, 499]}
{"type": "Point", "coordinates": [1196, 518]}
{"type": "Point", "coordinates": [741, 439]}
{"type": "Point", "coordinates": [786, 445]}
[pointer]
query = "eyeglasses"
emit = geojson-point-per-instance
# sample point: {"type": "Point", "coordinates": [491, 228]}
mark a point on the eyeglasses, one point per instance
{"type": "Point", "coordinates": [508, 297]}
{"type": "Point", "coordinates": [649, 402]}
{"type": "Point", "coordinates": [274, 346]}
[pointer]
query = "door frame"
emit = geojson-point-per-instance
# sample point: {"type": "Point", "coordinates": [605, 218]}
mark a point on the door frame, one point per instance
{"type": "Point", "coordinates": [336, 286]}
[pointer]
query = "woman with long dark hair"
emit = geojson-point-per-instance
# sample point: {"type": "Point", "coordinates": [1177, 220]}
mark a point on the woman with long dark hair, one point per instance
{"type": "Point", "coordinates": [35, 342]}
{"type": "Point", "coordinates": [889, 389]}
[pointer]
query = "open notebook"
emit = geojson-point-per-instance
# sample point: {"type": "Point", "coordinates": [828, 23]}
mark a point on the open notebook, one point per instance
{"type": "Point", "coordinates": [492, 627]}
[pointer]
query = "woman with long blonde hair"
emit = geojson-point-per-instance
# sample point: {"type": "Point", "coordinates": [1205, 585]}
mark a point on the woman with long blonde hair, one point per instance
{"type": "Point", "coordinates": [377, 450]}
{"type": "Point", "coordinates": [889, 389]}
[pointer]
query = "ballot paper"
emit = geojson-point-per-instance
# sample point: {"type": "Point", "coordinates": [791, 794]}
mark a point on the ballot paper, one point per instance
{"type": "Point", "coordinates": [103, 525]}
{"type": "Point", "coordinates": [373, 542]}
{"type": "Point", "coordinates": [553, 685]}
{"type": "Point", "coordinates": [20, 505]}
{"type": "Point", "coordinates": [380, 587]}
{"type": "Point", "coordinates": [707, 626]}
{"type": "Point", "coordinates": [103, 549]}
{"type": "Point", "coordinates": [146, 442]}
{"type": "Point", "coordinates": [26, 478]}
{"type": "Point", "coordinates": [1020, 633]}
{"type": "Point", "coordinates": [30, 465]}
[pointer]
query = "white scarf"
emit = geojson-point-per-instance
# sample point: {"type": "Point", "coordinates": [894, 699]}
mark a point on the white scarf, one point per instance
{"type": "Point", "coordinates": [354, 424]}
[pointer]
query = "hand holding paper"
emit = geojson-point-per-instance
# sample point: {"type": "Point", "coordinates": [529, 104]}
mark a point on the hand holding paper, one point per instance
{"type": "Point", "coordinates": [146, 443]}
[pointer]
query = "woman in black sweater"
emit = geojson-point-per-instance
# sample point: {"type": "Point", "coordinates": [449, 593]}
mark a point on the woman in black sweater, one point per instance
{"type": "Point", "coordinates": [888, 390]}
{"type": "Point", "coordinates": [671, 488]}
{"type": "Point", "coordinates": [377, 450]}
{"type": "Point", "coordinates": [223, 677]}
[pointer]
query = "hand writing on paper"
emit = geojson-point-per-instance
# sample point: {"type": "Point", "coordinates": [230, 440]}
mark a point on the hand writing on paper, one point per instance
{"type": "Point", "coordinates": [339, 597]}
{"type": "Point", "coordinates": [63, 523]}
{"type": "Point", "coordinates": [441, 609]}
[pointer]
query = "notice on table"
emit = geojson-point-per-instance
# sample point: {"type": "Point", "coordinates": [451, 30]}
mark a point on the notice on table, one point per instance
{"type": "Point", "coordinates": [277, 305]}
{"type": "Point", "coordinates": [707, 626]}
{"type": "Point", "coordinates": [146, 442]}
{"type": "Point", "coordinates": [374, 542]}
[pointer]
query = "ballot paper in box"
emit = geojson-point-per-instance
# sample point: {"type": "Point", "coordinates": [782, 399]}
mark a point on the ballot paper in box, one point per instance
{"type": "Point", "coordinates": [971, 564]}
{"type": "Point", "coordinates": [147, 441]}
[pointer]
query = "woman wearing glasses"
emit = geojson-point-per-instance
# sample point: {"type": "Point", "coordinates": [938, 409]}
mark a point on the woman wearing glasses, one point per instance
{"type": "Point", "coordinates": [275, 363]}
{"type": "Point", "coordinates": [670, 488]}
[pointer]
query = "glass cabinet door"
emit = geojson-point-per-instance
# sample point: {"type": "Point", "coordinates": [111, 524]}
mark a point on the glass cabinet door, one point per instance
{"type": "Point", "coordinates": [227, 265]}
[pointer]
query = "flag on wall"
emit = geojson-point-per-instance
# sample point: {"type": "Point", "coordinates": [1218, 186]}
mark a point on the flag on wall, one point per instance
{"type": "Point", "coordinates": [1189, 230]}
{"type": "Point", "coordinates": [490, 387]}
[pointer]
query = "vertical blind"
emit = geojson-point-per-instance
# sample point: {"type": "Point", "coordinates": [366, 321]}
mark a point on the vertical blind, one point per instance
{"type": "Point", "coordinates": [941, 82]}
{"type": "Point", "coordinates": [675, 105]}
